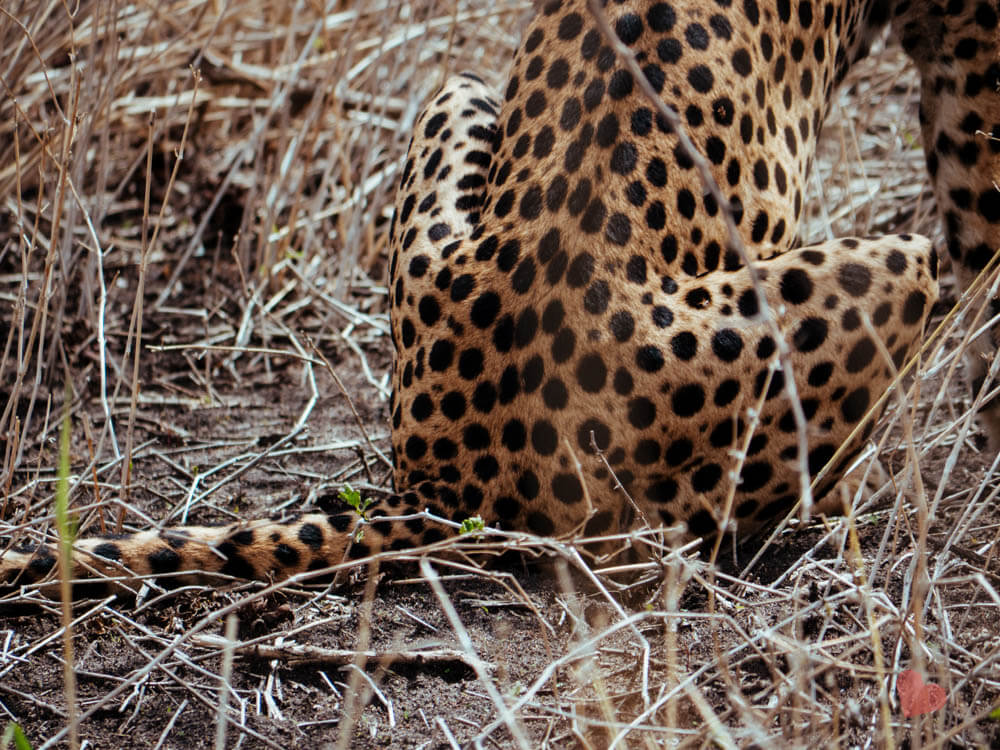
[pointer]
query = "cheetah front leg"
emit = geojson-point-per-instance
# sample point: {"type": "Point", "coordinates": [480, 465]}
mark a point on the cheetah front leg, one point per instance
{"type": "Point", "coordinates": [957, 54]}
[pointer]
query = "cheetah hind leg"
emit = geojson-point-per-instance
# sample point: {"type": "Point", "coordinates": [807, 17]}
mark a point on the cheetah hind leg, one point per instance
{"type": "Point", "coordinates": [842, 306]}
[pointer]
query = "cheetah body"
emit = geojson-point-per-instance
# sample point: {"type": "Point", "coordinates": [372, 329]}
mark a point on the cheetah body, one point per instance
{"type": "Point", "coordinates": [576, 291]}
{"type": "Point", "coordinates": [579, 345]}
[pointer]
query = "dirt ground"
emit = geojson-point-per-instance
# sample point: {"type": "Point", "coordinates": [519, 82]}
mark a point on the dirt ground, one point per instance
{"type": "Point", "coordinates": [797, 641]}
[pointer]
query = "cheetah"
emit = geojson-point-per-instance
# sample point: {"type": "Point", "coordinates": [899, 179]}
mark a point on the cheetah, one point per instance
{"type": "Point", "coordinates": [580, 342]}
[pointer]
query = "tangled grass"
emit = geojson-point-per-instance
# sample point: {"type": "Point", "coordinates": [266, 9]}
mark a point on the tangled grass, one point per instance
{"type": "Point", "coordinates": [195, 202]}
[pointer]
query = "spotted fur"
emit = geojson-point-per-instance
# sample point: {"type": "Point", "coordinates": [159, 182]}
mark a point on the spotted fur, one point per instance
{"type": "Point", "coordinates": [561, 281]}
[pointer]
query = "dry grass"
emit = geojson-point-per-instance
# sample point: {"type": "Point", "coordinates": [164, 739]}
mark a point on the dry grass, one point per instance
{"type": "Point", "coordinates": [195, 209]}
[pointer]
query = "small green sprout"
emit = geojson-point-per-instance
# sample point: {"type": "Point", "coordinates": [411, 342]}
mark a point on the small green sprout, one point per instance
{"type": "Point", "coordinates": [471, 525]}
{"type": "Point", "coordinates": [353, 498]}
{"type": "Point", "coordinates": [361, 505]}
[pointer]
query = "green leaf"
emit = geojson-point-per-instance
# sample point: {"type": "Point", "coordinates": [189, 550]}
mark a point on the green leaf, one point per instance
{"type": "Point", "coordinates": [13, 732]}
{"type": "Point", "coordinates": [350, 496]}
{"type": "Point", "coordinates": [353, 498]}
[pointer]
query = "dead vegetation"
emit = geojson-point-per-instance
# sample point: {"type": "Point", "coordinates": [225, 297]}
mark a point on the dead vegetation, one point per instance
{"type": "Point", "coordinates": [195, 203]}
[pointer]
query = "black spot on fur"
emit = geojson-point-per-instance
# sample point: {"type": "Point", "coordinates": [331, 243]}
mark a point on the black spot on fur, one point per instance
{"type": "Point", "coordinates": [109, 551]}
{"type": "Point", "coordinates": [164, 561]}
{"type": "Point", "coordinates": [311, 535]}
